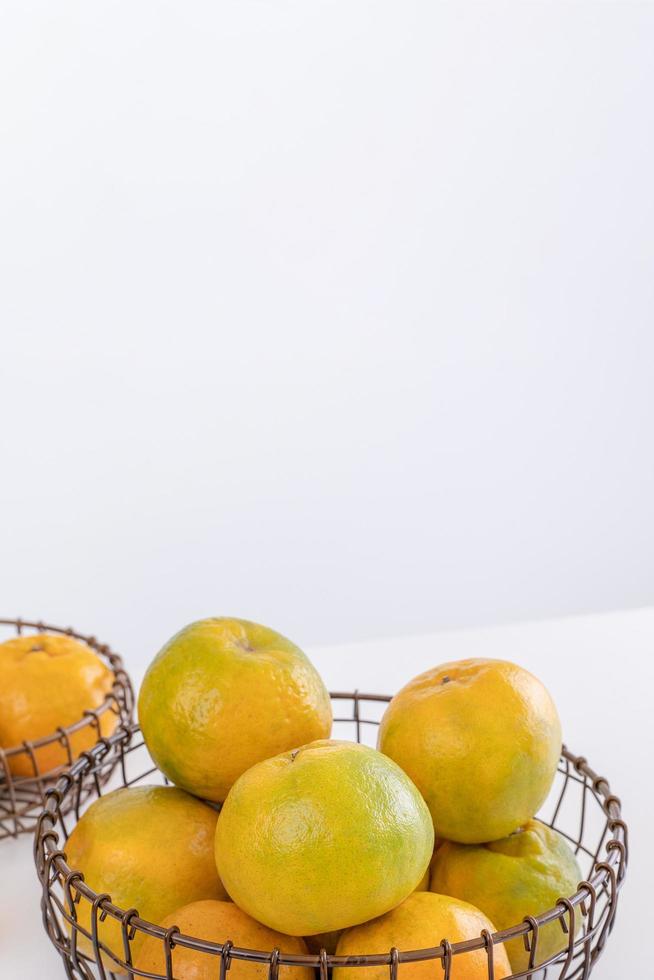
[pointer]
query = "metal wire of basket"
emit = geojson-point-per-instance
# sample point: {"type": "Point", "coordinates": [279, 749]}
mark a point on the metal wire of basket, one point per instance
{"type": "Point", "coordinates": [580, 806]}
{"type": "Point", "coordinates": [22, 797]}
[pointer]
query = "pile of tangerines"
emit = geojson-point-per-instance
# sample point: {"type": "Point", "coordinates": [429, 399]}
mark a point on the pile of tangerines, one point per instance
{"type": "Point", "coordinates": [316, 843]}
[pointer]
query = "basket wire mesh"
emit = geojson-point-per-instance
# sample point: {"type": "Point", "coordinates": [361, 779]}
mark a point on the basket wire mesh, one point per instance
{"type": "Point", "coordinates": [23, 796]}
{"type": "Point", "coordinates": [581, 807]}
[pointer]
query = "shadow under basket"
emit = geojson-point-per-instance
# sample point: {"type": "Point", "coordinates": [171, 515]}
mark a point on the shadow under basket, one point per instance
{"type": "Point", "coordinates": [23, 796]}
{"type": "Point", "coordinates": [581, 807]}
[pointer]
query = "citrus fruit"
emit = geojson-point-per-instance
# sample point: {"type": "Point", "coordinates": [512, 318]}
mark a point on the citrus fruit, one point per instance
{"type": "Point", "coordinates": [217, 922]}
{"type": "Point", "coordinates": [150, 848]}
{"type": "Point", "coordinates": [322, 837]}
{"type": "Point", "coordinates": [224, 694]}
{"type": "Point", "coordinates": [46, 682]}
{"type": "Point", "coordinates": [524, 874]}
{"type": "Point", "coordinates": [481, 740]}
{"type": "Point", "coordinates": [421, 922]}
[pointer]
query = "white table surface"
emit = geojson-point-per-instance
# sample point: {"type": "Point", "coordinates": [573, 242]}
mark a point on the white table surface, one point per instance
{"type": "Point", "coordinates": [600, 670]}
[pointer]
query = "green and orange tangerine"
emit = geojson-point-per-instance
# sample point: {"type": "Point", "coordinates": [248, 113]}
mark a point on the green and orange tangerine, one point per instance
{"type": "Point", "coordinates": [224, 694]}
{"type": "Point", "coordinates": [149, 848]}
{"type": "Point", "coordinates": [422, 921]}
{"type": "Point", "coordinates": [323, 837]}
{"type": "Point", "coordinates": [481, 739]}
{"type": "Point", "coordinates": [524, 874]}
{"type": "Point", "coordinates": [219, 922]}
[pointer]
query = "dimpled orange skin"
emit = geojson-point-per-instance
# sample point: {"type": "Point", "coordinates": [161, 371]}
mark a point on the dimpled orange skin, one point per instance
{"type": "Point", "coordinates": [150, 848]}
{"type": "Point", "coordinates": [422, 922]}
{"type": "Point", "coordinates": [323, 837]}
{"type": "Point", "coordinates": [217, 922]}
{"type": "Point", "coordinates": [524, 874]}
{"type": "Point", "coordinates": [46, 682]}
{"type": "Point", "coordinates": [481, 739]}
{"type": "Point", "coordinates": [224, 694]}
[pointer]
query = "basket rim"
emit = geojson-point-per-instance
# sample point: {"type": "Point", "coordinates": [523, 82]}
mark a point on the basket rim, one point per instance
{"type": "Point", "coordinates": [121, 685]}
{"type": "Point", "coordinates": [607, 875]}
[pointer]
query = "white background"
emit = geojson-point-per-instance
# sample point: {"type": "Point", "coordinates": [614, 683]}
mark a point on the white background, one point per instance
{"type": "Point", "coordinates": [337, 316]}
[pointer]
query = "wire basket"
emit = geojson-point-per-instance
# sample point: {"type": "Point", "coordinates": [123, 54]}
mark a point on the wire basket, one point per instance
{"type": "Point", "coordinates": [23, 796]}
{"type": "Point", "coordinates": [580, 806]}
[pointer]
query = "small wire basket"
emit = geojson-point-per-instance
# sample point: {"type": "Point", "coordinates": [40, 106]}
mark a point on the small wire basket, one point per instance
{"type": "Point", "coordinates": [23, 781]}
{"type": "Point", "coordinates": [581, 807]}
